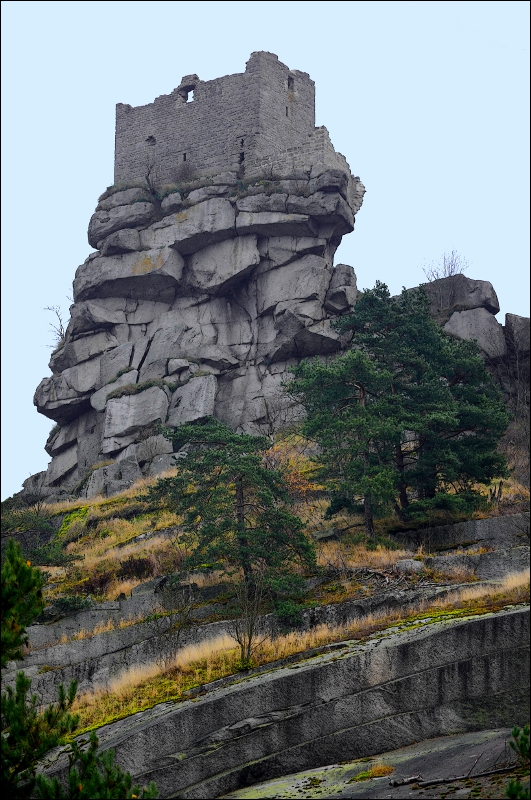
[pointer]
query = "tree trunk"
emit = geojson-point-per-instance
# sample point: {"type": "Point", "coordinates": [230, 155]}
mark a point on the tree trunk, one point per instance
{"type": "Point", "coordinates": [242, 539]}
{"type": "Point", "coordinates": [367, 513]}
{"type": "Point", "coordinates": [402, 488]}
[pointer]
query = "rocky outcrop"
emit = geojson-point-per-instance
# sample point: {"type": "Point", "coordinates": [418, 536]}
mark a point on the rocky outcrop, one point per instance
{"type": "Point", "coordinates": [198, 300]}
{"type": "Point", "coordinates": [194, 305]}
{"type": "Point", "coordinates": [356, 701]}
{"type": "Point", "coordinates": [97, 660]}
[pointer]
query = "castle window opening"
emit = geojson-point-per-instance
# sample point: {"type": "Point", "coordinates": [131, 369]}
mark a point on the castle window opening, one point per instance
{"type": "Point", "coordinates": [291, 83]}
{"type": "Point", "coordinates": [287, 112]}
{"type": "Point", "coordinates": [184, 156]}
{"type": "Point", "coordinates": [190, 96]}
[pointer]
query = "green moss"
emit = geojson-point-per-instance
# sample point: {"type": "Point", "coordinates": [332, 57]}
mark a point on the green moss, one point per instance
{"type": "Point", "coordinates": [79, 514]}
{"type": "Point", "coordinates": [119, 374]}
{"type": "Point", "coordinates": [121, 187]}
{"type": "Point", "coordinates": [135, 388]}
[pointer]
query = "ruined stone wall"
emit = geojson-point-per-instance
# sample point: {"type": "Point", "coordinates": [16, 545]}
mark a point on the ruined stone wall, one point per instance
{"type": "Point", "coordinates": [230, 121]}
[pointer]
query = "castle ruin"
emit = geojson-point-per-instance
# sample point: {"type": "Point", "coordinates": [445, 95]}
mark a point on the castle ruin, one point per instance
{"type": "Point", "coordinates": [261, 119]}
{"type": "Point", "coordinates": [212, 275]}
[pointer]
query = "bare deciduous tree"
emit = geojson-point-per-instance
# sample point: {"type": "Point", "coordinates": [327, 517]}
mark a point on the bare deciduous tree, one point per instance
{"type": "Point", "coordinates": [247, 628]}
{"type": "Point", "coordinates": [152, 174]}
{"type": "Point", "coordinates": [172, 617]}
{"type": "Point", "coordinates": [58, 327]}
{"type": "Point", "coordinates": [451, 264]}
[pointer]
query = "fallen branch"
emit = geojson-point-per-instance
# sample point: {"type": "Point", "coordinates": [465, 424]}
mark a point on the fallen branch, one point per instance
{"type": "Point", "coordinates": [465, 777]}
{"type": "Point", "coordinates": [405, 781]}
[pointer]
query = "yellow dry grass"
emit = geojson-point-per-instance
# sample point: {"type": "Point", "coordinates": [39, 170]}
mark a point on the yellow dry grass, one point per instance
{"type": "Point", "coordinates": [455, 574]}
{"type": "Point", "coordinates": [344, 557]}
{"type": "Point", "coordinates": [98, 500]}
{"type": "Point", "coordinates": [101, 627]}
{"type": "Point", "coordinates": [143, 686]}
{"type": "Point", "coordinates": [122, 587]}
{"type": "Point", "coordinates": [377, 771]}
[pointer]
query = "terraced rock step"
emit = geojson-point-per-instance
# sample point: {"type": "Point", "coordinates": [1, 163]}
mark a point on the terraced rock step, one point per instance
{"type": "Point", "coordinates": [94, 661]}
{"type": "Point", "coordinates": [445, 677]}
{"type": "Point", "coordinates": [439, 759]}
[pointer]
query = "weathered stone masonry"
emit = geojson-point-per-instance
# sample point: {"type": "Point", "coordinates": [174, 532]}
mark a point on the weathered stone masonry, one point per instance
{"type": "Point", "coordinates": [231, 122]}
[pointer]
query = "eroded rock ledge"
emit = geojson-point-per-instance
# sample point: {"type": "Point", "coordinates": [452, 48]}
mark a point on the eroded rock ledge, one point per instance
{"type": "Point", "coordinates": [390, 691]}
{"type": "Point", "coordinates": [195, 304]}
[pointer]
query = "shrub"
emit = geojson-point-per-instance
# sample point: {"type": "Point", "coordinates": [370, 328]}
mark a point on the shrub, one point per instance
{"type": "Point", "coordinates": [50, 554]}
{"type": "Point", "coordinates": [21, 601]}
{"type": "Point", "coordinates": [520, 744]}
{"type": "Point", "coordinates": [93, 775]}
{"type": "Point", "coordinates": [98, 583]}
{"type": "Point", "coordinates": [135, 568]}
{"type": "Point", "coordinates": [455, 505]}
{"type": "Point", "coordinates": [15, 520]}
{"type": "Point", "coordinates": [288, 613]}
{"type": "Point", "coordinates": [70, 604]}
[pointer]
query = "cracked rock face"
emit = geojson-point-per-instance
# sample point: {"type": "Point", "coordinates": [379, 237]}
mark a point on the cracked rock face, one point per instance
{"type": "Point", "coordinates": [198, 304]}
{"type": "Point", "coordinates": [192, 306]}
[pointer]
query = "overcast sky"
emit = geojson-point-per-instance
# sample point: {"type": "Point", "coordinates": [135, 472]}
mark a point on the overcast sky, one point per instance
{"type": "Point", "coordinates": [428, 101]}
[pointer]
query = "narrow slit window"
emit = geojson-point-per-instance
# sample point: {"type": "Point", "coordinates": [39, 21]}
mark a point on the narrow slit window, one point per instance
{"type": "Point", "coordinates": [287, 112]}
{"type": "Point", "coordinates": [184, 156]}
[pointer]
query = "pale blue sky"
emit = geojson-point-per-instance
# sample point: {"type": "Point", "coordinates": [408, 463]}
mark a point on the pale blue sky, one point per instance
{"type": "Point", "coordinates": [428, 101]}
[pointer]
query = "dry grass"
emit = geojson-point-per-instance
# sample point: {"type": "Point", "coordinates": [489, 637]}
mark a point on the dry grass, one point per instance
{"type": "Point", "coordinates": [104, 555]}
{"type": "Point", "coordinates": [456, 574]}
{"type": "Point", "coordinates": [144, 686]}
{"type": "Point", "coordinates": [65, 506]}
{"type": "Point", "coordinates": [101, 627]}
{"type": "Point", "coordinates": [341, 557]}
{"type": "Point", "coordinates": [122, 587]}
{"type": "Point", "coordinates": [515, 585]}
{"type": "Point", "coordinates": [377, 771]}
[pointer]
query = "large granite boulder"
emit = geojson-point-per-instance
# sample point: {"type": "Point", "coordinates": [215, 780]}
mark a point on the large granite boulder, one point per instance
{"type": "Point", "coordinates": [517, 332]}
{"type": "Point", "coordinates": [217, 268]}
{"type": "Point", "coordinates": [194, 400]}
{"type": "Point", "coordinates": [192, 228]}
{"type": "Point", "coordinates": [481, 325]}
{"type": "Point", "coordinates": [460, 293]}
{"type": "Point", "coordinates": [150, 275]}
{"type": "Point", "coordinates": [199, 305]}
{"type": "Point", "coordinates": [126, 415]}
{"type": "Point", "coordinates": [103, 223]}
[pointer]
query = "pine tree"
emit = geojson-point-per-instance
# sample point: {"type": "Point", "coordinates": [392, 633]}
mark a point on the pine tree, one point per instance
{"type": "Point", "coordinates": [21, 601]}
{"type": "Point", "coordinates": [28, 733]}
{"type": "Point", "coordinates": [235, 507]}
{"type": "Point", "coordinates": [408, 413]}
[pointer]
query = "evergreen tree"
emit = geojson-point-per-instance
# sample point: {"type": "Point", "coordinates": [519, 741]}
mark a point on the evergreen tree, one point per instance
{"type": "Point", "coordinates": [235, 507]}
{"type": "Point", "coordinates": [407, 413]}
{"type": "Point", "coordinates": [21, 601]}
{"type": "Point", "coordinates": [28, 733]}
